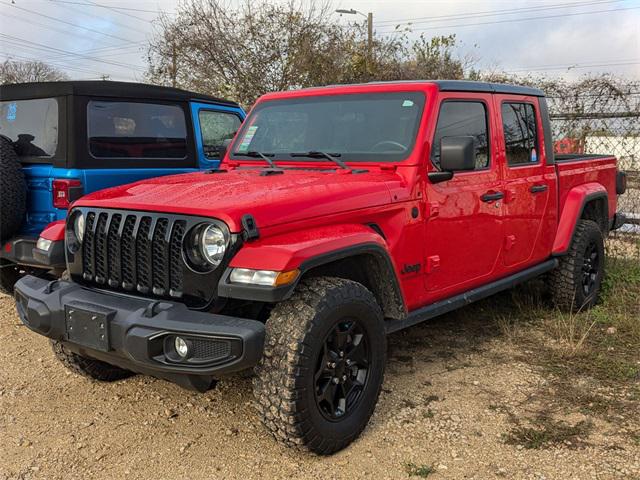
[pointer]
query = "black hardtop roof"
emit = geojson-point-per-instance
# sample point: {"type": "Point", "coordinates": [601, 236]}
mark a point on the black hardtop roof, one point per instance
{"type": "Point", "coordinates": [458, 86]}
{"type": "Point", "coordinates": [102, 88]}
{"type": "Point", "coordinates": [471, 86]}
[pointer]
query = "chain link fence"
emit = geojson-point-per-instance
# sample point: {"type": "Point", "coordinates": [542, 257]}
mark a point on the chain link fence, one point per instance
{"type": "Point", "coordinates": [604, 118]}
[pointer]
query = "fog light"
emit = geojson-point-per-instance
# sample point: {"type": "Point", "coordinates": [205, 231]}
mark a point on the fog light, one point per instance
{"type": "Point", "coordinates": [182, 347]}
{"type": "Point", "coordinates": [43, 244]}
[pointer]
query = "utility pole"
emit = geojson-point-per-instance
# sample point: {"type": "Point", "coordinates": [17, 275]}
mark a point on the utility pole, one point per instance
{"type": "Point", "coordinates": [174, 66]}
{"type": "Point", "coordinates": [369, 17]}
{"type": "Point", "coordinates": [370, 37]}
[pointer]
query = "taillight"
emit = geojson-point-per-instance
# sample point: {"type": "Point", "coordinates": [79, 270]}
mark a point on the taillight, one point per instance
{"type": "Point", "coordinates": [66, 191]}
{"type": "Point", "coordinates": [621, 183]}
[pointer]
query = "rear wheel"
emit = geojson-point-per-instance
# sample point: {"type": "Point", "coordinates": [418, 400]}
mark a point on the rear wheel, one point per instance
{"type": "Point", "coordinates": [575, 284]}
{"type": "Point", "coordinates": [88, 367]}
{"type": "Point", "coordinates": [13, 191]}
{"type": "Point", "coordinates": [323, 364]}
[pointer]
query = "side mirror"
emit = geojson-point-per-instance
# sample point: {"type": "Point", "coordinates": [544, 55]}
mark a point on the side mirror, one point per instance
{"type": "Point", "coordinates": [457, 154]}
{"type": "Point", "coordinates": [224, 147]}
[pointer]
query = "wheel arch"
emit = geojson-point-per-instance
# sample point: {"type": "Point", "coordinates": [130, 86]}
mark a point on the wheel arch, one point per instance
{"type": "Point", "coordinates": [368, 264]}
{"type": "Point", "coordinates": [355, 252]}
{"type": "Point", "coordinates": [587, 202]}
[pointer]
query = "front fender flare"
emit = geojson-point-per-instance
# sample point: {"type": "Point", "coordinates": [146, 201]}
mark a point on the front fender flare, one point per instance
{"type": "Point", "coordinates": [574, 205]}
{"type": "Point", "coordinates": [304, 251]}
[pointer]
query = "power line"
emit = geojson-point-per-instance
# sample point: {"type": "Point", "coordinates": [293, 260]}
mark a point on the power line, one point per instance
{"type": "Point", "coordinates": [488, 13]}
{"type": "Point", "coordinates": [11, 56]}
{"type": "Point", "coordinates": [67, 23]}
{"type": "Point", "coordinates": [573, 66]}
{"type": "Point", "coordinates": [50, 27]}
{"type": "Point", "coordinates": [40, 46]}
{"type": "Point", "coordinates": [79, 11]}
{"type": "Point", "coordinates": [124, 9]}
{"type": "Point", "coordinates": [108, 48]}
{"type": "Point", "coordinates": [514, 20]}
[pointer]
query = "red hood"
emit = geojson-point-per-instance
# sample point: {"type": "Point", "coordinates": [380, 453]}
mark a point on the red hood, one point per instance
{"type": "Point", "coordinates": [272, 200]}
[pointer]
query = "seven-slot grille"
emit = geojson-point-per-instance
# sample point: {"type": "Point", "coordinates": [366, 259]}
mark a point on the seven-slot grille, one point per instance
{"type": "Point", "coordinates": [134, 252]}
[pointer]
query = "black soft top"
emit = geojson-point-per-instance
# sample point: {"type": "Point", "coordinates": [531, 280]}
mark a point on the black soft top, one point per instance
{"type": "Point", "coordinates": [103, 88]}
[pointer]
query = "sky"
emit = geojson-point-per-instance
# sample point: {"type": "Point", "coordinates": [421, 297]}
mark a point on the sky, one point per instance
{"type": "Point", "coordinates": [92, 39]}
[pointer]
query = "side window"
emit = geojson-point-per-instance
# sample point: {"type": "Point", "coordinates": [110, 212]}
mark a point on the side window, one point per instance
{"type": "Point", "coordinates": [136, 130]}
{"type": "Point", "coordinates": [32, 125]}
{"type": "Point", "coordinates": [520, 133]}
{"type": "Point", "coordinates": [216, 127]}
{"type": "Point", "coordinates": [462, 118]}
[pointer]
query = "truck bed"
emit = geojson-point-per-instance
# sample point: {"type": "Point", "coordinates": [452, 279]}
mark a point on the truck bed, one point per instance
{"type": "Point", "coordinates": [579, 169]}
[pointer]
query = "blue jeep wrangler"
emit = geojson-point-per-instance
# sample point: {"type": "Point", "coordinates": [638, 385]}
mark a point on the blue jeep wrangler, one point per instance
{"type": "Point", "coordinates": [61, 140]}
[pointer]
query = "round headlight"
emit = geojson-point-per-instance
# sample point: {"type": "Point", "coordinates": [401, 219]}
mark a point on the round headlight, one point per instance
{"type": "Point", "coordinates": [206, 246]}
{"type": "Point", "coordinates": [78, 226]}
{"type": "Point", "coordinates": [213, 244]}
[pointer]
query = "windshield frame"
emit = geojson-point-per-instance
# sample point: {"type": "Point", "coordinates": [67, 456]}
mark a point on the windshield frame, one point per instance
{"type": "Point", "coordinates": [368, 157]}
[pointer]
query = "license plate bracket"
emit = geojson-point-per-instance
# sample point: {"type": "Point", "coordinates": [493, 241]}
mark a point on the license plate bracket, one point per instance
{"type": "Point", "coordinates": [87, 327]}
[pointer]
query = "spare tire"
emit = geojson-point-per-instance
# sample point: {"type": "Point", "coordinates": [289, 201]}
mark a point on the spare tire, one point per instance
{"type": "Point", "coordinates": [13, 191]}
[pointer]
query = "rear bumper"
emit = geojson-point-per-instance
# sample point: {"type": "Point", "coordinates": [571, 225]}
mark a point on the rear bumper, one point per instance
{"type": "Point", "coordinates": [138, 334]}
{"type": "Point", "coordinates": [23, 251]}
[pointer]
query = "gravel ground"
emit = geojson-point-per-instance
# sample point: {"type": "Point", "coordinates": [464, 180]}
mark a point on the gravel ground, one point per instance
{"type": "Point", "coordinates": [451, 392]}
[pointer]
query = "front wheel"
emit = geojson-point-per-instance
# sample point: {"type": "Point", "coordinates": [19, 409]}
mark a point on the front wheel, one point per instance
{"type": "Point", "coordinates": [322, 369]}
{"type": "Point", "coordinates": [88, 367]}
{"type": "Point", "coordinates": [575, 283]}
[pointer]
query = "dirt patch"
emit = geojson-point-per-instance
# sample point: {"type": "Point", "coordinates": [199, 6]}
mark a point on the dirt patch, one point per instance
{"type": "Point", "coordinates": [461, 399]}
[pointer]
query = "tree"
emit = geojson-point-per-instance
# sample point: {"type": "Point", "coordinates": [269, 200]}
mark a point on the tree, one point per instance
{"type": "Point", "coordinates": [31, 71]}
{"type": "Point", "coordinates": [243, 52]}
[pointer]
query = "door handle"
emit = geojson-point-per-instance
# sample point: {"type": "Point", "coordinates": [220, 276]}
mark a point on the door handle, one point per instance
{"type": "Point", "coordinates": [492, 197]}
{"type": "Point", "coordinates": [538, 188]}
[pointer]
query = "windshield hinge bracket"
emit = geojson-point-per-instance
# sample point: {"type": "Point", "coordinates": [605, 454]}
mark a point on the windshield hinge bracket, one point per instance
{"type": "Point", "coordinates": [249, 228]}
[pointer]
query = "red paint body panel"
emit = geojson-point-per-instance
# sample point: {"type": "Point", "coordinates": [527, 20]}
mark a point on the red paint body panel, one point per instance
{"type": "Point", "coordinates": [288, 251]}
{"type": "Point", "coordinates": [458, 241]}
{"type": "Point", "coordinates": [54, 231]}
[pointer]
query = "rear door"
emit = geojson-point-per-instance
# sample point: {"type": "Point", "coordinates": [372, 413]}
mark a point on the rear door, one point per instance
{"type": "Point", "coordinates": [528, 181]}
{"type": "Point", "coordinates": [213, 124]}
{"type": "Point", "coordinates": [464, 224]}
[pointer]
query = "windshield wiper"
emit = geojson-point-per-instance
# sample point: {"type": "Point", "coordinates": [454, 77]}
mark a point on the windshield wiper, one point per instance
{"type": "Point", "coordinates": [264, 156]}
{"type": "Point", "coordinates": [329, 156]}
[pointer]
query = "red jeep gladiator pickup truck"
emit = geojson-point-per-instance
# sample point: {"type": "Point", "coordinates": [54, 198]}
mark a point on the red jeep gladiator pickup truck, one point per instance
{"type": "Point", "coordinates": [341, 214]}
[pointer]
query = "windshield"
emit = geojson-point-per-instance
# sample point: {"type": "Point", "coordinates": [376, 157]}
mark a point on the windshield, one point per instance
{"type": "Point", "coordinates": [357, 127]}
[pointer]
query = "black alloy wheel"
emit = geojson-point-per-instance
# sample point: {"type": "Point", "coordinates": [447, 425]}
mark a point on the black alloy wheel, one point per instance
{"type": "Point", "coordinates": [342, 370]}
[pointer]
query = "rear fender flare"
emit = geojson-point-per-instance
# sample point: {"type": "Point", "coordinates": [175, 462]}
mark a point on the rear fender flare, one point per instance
{"type": "Point", "coordinates": [574, 206]}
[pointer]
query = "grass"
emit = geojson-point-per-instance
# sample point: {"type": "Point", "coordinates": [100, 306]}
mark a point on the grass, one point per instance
{"type": "Point", "coordinates": [590, 360]}
{"type": "Point", "coordinates": [422, 471]}
{"type": "Point", "coordinates": [546, 432]}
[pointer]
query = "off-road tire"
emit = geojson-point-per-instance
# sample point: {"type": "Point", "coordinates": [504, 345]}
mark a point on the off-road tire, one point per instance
{"type": "Point", "coordinates": [9, 275]}
{"type": "Point", "coordinates": [566, 281]}
{"type": "Point", "coordinates": [13, 191]}
{"type": "Point", "coordinates": [88, 367]}
{"type": "Point", "coordinates": [296, 333]}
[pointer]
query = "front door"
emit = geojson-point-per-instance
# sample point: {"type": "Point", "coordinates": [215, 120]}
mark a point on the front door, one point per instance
{"type": "Point", "coordinates": [464, 220]}
{"type": "Point", "coordinates": [213, 124]}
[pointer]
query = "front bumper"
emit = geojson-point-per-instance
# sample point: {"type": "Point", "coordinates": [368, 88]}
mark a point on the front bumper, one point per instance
{"type": "Point", "coordinates": [136, 333]}
{"type": "Point", "coordinates": [23, 251]}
